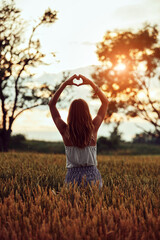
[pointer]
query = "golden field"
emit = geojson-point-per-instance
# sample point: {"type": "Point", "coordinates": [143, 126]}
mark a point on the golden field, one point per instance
{"type": "Point", "coordinates": [36, 204]}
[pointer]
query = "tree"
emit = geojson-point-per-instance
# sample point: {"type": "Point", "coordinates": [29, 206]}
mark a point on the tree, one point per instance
{"type": "Point", "coordinates": [145, 138]}
{"type": "Point", "coordinates": [17, 141]}
{"type": "Point", "coordinates": [112, 142]}
{"type": "Point", "coordinates": [129, 74]}
{"type": "Point", "coordinates": [18, 56]}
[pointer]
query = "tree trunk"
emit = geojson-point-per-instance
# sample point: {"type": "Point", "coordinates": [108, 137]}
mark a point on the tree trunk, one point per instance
{"type": "Point", "coordinates": [4, 140]}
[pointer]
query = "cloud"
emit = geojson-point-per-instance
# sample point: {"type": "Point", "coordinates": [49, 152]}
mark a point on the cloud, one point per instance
{"type": "Point", "coordinates": [129, 12]}
{"type": "Point", "coordinates": [153, 1]}
{"type": "Point", "coordinates": [89, 43]}
{"type": "Point", "coordinates": [146, 11]}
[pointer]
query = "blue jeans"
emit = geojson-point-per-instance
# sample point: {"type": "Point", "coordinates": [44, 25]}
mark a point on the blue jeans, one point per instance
{"type": "Point", "coordinates": [76, 174]}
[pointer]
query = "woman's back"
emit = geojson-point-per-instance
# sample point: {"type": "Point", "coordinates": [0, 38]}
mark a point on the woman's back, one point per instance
{"type": "Point", "coordinates": [76, 156]}
{"type": "Point", "coordinates": [80, 147]}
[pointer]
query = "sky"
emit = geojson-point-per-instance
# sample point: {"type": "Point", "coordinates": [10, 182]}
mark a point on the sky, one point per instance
{"type": "Point", "coordinates": [81, 24]}
{"type": "Point", "coordinates": [73, 38]}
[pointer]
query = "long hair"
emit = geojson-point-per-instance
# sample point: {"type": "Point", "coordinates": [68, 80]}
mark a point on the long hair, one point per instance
{"type": "Point", "coordinates": [80, 124]}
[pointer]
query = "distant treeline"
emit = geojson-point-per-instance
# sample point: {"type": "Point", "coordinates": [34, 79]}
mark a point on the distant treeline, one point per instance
{"type": "Point", "coordinates": [105, 146]}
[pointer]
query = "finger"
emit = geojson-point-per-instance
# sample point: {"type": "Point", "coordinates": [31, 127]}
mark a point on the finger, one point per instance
{"type": "Point", "coordinates": [74, 76]}
{"type": "Point", "coordinates": [78, 77]}
{"type": "Point", "coordinates": [74, 84]}
{"type": "Point", "coordinates": [81, 76]}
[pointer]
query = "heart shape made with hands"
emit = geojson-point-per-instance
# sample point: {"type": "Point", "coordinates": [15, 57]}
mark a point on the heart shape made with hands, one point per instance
{"type": "Point", "coordinates": [78, 81]}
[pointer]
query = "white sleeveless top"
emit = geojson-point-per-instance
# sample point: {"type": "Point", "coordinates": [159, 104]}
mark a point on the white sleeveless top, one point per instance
{"type": "Point", "coordinates": [77, 157]}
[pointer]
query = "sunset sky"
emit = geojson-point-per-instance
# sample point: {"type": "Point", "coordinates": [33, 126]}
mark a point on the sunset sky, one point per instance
{"type": "Point", "coordinates": [81, 24]}
{"type": "Point", "coordinates": [73, 37]}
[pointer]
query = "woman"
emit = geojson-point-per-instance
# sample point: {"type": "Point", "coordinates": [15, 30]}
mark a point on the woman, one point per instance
{"type": "Point", "coordinates": [80, 134]}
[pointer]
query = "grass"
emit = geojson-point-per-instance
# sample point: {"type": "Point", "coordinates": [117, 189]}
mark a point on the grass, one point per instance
{"type": "Point", "coordinates": [127, 207]}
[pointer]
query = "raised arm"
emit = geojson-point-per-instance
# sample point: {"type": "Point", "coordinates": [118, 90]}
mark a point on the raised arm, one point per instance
{"type": "Point", "coordinates": [97, 121]}
{"type": "Point", "coordinates": [60, 124]}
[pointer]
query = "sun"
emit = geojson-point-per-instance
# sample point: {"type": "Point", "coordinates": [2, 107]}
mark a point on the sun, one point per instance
{"type": "Point", "coordinates": [120, 67]}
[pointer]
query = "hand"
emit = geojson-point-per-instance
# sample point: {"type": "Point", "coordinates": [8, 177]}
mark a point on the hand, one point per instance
{"type": "Point", "coordinates": [85, 80]}
{"type": "Point", "coordinates": [70, 80]}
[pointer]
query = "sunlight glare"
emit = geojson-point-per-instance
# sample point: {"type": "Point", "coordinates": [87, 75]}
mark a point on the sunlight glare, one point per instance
{"type": "Point", "coordinates": [115, 86]}
{"type": "Point", "coordinates": [104, 87]}
{"type": "Point", "coordinates": [120, 67]}
{"type": "Point", "coordinates": [128, 90]}
{"type": "Point", "coordinates": [142, 67]}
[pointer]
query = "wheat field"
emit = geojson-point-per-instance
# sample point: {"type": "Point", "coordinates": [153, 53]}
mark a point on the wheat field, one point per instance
{"type": "Point", "coordinates": [36, 204]}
